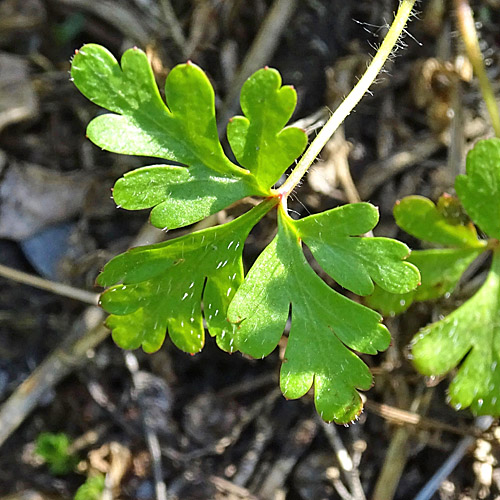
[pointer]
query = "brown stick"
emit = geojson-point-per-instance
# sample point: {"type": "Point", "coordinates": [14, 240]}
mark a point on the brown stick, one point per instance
{"type": "Point", "coordinates": [62, 361]}
{"type": "Point", "coordinates": [52, 286]}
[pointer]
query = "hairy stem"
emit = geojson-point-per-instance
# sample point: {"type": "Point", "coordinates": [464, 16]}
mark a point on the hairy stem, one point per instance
{"type": "Point", "coordinates": [350, 101]}
{"type": "Point", "coordinates": [465, 21]}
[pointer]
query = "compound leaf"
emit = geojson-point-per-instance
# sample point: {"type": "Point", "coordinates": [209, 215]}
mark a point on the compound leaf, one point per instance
{"type": "Point", "coordinates": [325, 326]}
{"type": "Point", "coordinates": [184, 131]}
{"type": "Point", "coordinates": [258, 139]}
{"type": "Point", "coordinates": [469, 336]}
{"type": "Point", "coordinates": [163, 285]}
{"type": "Point", "coordinates": [421, 218]}
{"type": "Point", "coordinates": [479, 190]}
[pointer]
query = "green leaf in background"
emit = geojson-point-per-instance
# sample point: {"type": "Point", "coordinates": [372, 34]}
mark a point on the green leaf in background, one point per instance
{"type": "Point", "coordinates": [184, 131]}
{"type": "Point", "coordinates": [419, 217]}
{"type": "Point", "coordinates": [163, 286]}
{"type": "Point", "coordinates": [479, 190]}
{"type": "Point", "coordinates": [469, 336]}
{"type": "Point", "coordinates": [326, 327]}
{"type": "Point", "coordinates": [440, 270]}
{"type": "Point", "coordinates": [91, 489]}
{"type": "Point", "coordinates": [55, 450]}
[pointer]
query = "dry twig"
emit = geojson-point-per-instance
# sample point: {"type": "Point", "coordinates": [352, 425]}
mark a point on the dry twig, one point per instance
{"type": "Point", "coordinates": [87, 334]}
{"type": "Point", "coordinates": [52, 286]}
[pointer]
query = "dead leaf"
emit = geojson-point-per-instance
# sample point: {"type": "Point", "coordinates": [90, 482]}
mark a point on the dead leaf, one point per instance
{"type": "Point", "coordinates": [18, 101]}
{"type": "Point", "coordinates": [33, 198]}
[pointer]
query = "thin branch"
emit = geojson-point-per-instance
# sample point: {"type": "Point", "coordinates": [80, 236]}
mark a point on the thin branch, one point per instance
{"type": "Point", "coordinates": [87, 333]}
{"type": "Point", "coordinates": [427, 492]}
{"type": "Point", "coordinates": [52, 286]}
{"type": "Point", "coordinates": [345, 461]}
{"type": "Point", "coordinates": [174, 26]}
{"type": "Point", "coordinates": [152, 440]}
{"type": "Point", "coordinates": [404, 417]}
{"type": "Point", "coordinates": [74, 351]}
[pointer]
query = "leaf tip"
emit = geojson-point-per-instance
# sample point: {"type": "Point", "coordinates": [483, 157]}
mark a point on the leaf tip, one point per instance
{"type": "Point", "coordinates": [189, 62]}
{"type": "Point", "coordinates": [266, 67]}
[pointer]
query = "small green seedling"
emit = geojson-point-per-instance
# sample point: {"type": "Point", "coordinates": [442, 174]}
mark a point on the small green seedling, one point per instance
{"type": "Point", "coordinates": [197, 280]}
{"type": "Point", "coordinates": [91, 489]}
{"type": "Point", "coordinates": [55, 449]}
{"type": "Point", "coordinates": [470, 335]}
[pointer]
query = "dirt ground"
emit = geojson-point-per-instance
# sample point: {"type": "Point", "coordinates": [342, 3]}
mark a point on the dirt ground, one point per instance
{"type": "Point", "coordinates": [214, 426]}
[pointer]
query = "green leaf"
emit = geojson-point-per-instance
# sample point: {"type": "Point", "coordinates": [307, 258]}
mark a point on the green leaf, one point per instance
{"type": "Point", "coordinates": [440, 270]}
{"type": "Point", "coordinates": [355, 263]}
{"type": "Point", "coordinates": [387, 303]}
{"type": "Point", "coordinates": [451, 208]}
{"type": "Point", "coordinates": [163, 286]}
{"type": "Point", "coordinates": [469, 336]}
{"type": "Point", "coordinates": [326, 327]}
{"type": "Point", "coordinates": [420, 217]}
{"type": "Point", "coordinates": [184, 131]}
{"type": "Point", "coordinates": [479, 190]}
{"type": "Point", "coordinates": [55, 450]}
{"type": "Point", "coordinates": [177, 196]}
{"type": "Point", "coordinates": [91, 489]}
{"type": "Point", "coordinates": [258, 139]}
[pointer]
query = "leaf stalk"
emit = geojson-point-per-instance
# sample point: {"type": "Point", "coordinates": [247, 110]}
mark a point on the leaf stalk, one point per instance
{"type": "Point", "coordinates": [465, 21]}
{"type": "Point", "coordinates": [350, 102]}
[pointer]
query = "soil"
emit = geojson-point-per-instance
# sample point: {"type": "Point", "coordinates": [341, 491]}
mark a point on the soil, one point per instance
{"type": "Point", "coordinates": [214, 425]}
